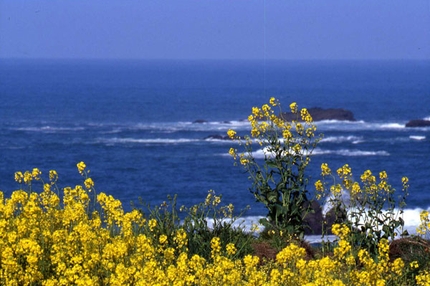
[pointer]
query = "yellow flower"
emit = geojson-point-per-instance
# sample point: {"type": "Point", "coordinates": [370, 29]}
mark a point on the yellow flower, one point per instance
{"type": "Point", "coordinates": [89, 183]}
{"type": "Point", "coordinates": [162, 239]}
{"type": "Point", "coordinates": [53, 176]}
{"type": "Point", "coordinates": [36, 173]}
{"type": "Point", "coordinates": [287, 134]}
{"type": "Point", "coordinates": [231, 249]}
{"type": "Point", "coordinates": [344, 171]}
{"type": "Point", "coordinates": [413, 264]}
{"type": "Point", "coordinates": [405, 182]}
{"type": "Point", "coordinates": [319, 186]}
{"type": "Point", "coordinates": [19, 177]}
{"type": "Point", "coordinates": [27, 177]}
{"type": "Point", "coordinates": [325, 170]}
{"type": "Point", "coordinates": [293, 107]}
{"type": "Point", "coordinates": [231, 133]}
{"type": "Point", "coordinates": [81, 167]}
{"type": "Point", "coordinates": [383, 175]}
{"type": "Point", "coordinates": [273, 101]}
{"type": "Point", "coordinates": [152, 224]}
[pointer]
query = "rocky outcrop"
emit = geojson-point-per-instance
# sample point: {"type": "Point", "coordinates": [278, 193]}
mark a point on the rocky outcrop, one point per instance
{"type": "Point", "coordinates": [319, 114]}
{"type": "Point", "coordinates": [315, 222]}
{"type": "Point", "coordinates": [418, 123]}
{"type": "Point", "coordinates": [217, 137]}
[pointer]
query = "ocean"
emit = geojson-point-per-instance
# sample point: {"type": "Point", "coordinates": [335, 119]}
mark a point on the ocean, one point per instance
{"type": "Point", "coordinates": [142, 127]}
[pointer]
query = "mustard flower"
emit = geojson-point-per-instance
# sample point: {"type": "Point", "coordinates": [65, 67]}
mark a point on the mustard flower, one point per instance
{"type": "Point", "coordinates": [89, 183]}
{"type": "Point", "coordinates": [293, 107]}
{"type": "Point", "coordinates": [344, 171]}
{"type": "Point", "coordinates": [27, 177]}
{"type": "Point", "coordinates": [273, 101]}
{"type": "Point", "coordinates": [319, 186]}
{"type": "Point", "coordinates": [36, 174]}
{"type": "Point", "coordinates": [152, 223]}
{"type": "Point", "coordinates": [231, 133]}
{"type": "Point", "coordinates": [230, 248]}
{"type": "Point", "coordinates": [53, 175]}
{"type": "Point", "coordinates": [325, 170]}
{"type": "Point", "coordinates": [81, 167]}
{"type": "Point", "coordinates": [19, 177]}
{"type": "Point", "coordinates": [216, 245]}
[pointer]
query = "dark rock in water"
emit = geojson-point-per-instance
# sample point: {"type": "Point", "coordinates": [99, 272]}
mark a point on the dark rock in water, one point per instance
{"type": "Point", "coordinates": [418, 123]}
{"type": "Point", "coordinates": [319, 114]}
{"type": "Point", "coordinates": [200, 121]}
{"type": "Point", "coordinates": [315, 222]}
{"type": "Point", "coordinates": [313, 219]}
{"type": "Point", "coordinates": [218, 137]}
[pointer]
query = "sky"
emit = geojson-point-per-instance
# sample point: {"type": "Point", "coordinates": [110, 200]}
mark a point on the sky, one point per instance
{"type": "Point", "coordinates": [215, 29]}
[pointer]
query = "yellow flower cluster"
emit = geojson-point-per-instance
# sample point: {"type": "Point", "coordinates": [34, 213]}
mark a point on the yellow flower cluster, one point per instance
{"type": "Point", "coordinates": [45, 242]}
{"type": "Point", "coordinates": [424, 228]}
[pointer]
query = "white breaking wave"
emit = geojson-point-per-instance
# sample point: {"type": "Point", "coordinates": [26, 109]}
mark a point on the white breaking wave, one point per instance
{"type": "Point", "coordinates": [262, 153]}
{"type": "Point", "coordinates": [147, 141]}
{"type": "Point", "coordinates": [252, 224]}
{"type": "Point", "coordinates": [416, 137]}
{"type": "Point", "coordinates": [50, 129]}
{"type": "Point", "coordinates": [347, 152]}
{"type": "Point", "coordinates": [341, 139]}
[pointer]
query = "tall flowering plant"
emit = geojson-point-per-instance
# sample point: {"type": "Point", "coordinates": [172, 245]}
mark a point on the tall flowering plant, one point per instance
{"type": "Point", "coordinates": [279, 180]}
{"type": "Point", "coordinates": [374, 208]}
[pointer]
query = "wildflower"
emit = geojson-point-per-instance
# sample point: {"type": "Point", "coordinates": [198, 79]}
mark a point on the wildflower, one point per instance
{"type": "Point", "coordinates": [344, 171]}
{"type": "Point", "coordinates": [81, 167]}
{"type": "Point", "coordinates": [287, 134]}
{"type": "Point", "coordinates": [89, 183]}
{"type": "Point", "coordinates": [162, 239]}
{"type": "Point", "coordinates": [243, 160]}
{"type": "Point", "coordinates": [53, 176]}
{"type": "Point", "coordinates": [383, 175]}
{"type": "Point", "coordinates": [231, 133]}
{"type": "Point", "coordinates": [231, 249]}
{"type": "Point", "coordinates": [27, 177]}
{"type": "Point", "coordinates": [325, 170]}
{"type": "Point", "coordinates": [19, 177]}
{"type": "Point", "coordinates": [152, 224]}
{"type": "Point", "coordinates": [297, 148]}
{"type": "Point", "coordinates": [319, 186]}
{"type": "Point", "coordinates": [36, 173]}
{"type": "Point", "coordinates": [414, 264]}
{"type": "Point", "coordinates": [405, 182]}
{"type": "Point", "coordinates": [266, 109]}
{"type": "Point", "coordinates": [293, 107]}
{"type": "Point", "coordinates": [273, 101]}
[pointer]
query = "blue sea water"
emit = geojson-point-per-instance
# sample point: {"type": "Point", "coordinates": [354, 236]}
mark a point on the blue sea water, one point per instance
{"type": "Point", "coordinates": [133, 122]}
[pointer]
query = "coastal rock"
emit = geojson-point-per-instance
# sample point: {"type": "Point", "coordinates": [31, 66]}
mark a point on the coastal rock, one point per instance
{"type": "Point", "coordinates": [418, 123]}
{"type": "Point", "coordinates": [217, 137]}
{"type": "Point", "coordinates": [200, 121]}
{"type": "Point", "coordinates": [319, 114]}
{"type": "Point", "coordinates": [316, 222]}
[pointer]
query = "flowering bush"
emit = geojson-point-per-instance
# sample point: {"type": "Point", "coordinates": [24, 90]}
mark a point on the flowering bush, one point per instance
{"type": "Point", "coordinates": [279, 182]}
{"type": "Point", "coordinates": [45, 240]}
{"type": "Point", "coordinates": [372, 209]}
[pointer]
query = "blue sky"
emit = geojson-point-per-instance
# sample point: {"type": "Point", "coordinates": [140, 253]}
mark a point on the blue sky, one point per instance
{"type": "Point", "coordinates": [215, 29]}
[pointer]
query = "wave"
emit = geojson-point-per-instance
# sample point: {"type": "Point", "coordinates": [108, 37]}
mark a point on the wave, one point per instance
{"type": "Point", "coordinates": [416, 137]}
{"type": "Point", "coordinates": [49, 129]}
{"type": "Point", "coordinates": [262, 153]}
{"type": "Point", "coordinates": [202, 125]}
{"type": "Point", "coordinates": [342, 139]}
{"type": "Point", "coordinates": [252, 224]}
{"type": "Point", "coordinates": [145, 141]}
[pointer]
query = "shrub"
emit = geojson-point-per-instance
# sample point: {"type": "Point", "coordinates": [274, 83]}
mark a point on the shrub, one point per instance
{"type": "Point", "coordinates": [279, 182]}
{"type": "Point", "coordinates": [373, 211]}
